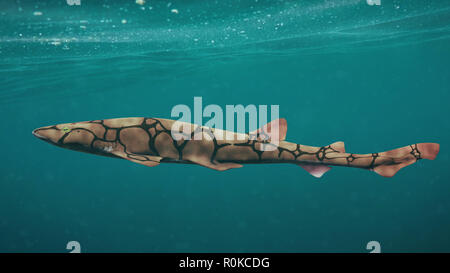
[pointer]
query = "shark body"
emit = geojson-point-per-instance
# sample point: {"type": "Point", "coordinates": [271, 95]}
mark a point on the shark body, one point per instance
{"type": "Point", "coordinates": [149, 141]}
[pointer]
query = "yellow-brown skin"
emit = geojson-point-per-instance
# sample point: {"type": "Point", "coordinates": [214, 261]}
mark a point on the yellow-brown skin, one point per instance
{"type": "Point", "coordinates": [148, 141]}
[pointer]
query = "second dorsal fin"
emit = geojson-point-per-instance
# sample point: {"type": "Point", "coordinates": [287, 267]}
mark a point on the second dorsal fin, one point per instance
{"type": "Point", "coordinates": [338, 146]}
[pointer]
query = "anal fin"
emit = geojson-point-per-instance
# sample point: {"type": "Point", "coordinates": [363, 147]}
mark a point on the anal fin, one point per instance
{"type": "Point", "coordinates": [314, 169]}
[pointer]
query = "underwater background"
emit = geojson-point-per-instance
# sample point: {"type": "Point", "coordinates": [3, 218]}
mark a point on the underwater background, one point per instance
{"type": "Point", "coordinates": [373, 76]}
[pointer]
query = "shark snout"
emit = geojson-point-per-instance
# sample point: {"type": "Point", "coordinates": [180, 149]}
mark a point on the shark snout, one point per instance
{"type": "Point", "coordinates": [38, 134]}
{"type": "Point", "coordinates": [51, 134]}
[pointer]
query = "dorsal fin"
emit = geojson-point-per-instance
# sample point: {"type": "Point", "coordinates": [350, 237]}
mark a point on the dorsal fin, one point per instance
{"type": "Point", "coordinates": [338, 146]}
{"type": "Point", "coordinates": [269, 130]}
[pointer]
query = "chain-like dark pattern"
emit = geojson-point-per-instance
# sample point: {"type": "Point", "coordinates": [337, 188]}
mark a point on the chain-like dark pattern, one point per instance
{"type": "Point", "coordinates": [153, 127]}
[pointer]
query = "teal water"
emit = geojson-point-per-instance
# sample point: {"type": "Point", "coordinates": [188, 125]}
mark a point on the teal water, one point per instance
{"type": "Point", "coordinates": [376, 77]}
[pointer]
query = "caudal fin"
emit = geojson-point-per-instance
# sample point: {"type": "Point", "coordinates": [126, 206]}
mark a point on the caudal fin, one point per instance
{"type": "Point", "coordinates": [405, 156]}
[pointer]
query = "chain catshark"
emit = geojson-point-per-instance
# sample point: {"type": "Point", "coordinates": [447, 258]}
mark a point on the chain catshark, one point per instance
{"type": "Point", "coordinates": [149, 141]}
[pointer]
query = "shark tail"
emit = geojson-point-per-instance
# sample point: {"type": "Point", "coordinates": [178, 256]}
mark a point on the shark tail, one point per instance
{"type": "Point", "coordinates": [405, 156]}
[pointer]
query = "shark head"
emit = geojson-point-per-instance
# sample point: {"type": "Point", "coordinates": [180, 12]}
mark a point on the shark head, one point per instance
{"type": "Point", "coordinates": [78, 136]}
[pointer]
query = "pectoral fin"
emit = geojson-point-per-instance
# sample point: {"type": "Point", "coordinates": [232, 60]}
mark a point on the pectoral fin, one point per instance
{"type": "Point", "coordinates": [147, 160]}
{"type": "Point", "coordinates": [217, 165]}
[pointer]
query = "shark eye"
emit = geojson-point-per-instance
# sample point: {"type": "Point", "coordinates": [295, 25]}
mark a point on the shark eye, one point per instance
{"type": "Point", "coordinates": [66, 129]}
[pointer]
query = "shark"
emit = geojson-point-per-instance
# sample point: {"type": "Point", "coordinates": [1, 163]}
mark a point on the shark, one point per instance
{"type": "Point", "coordinates": [150, 142]}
